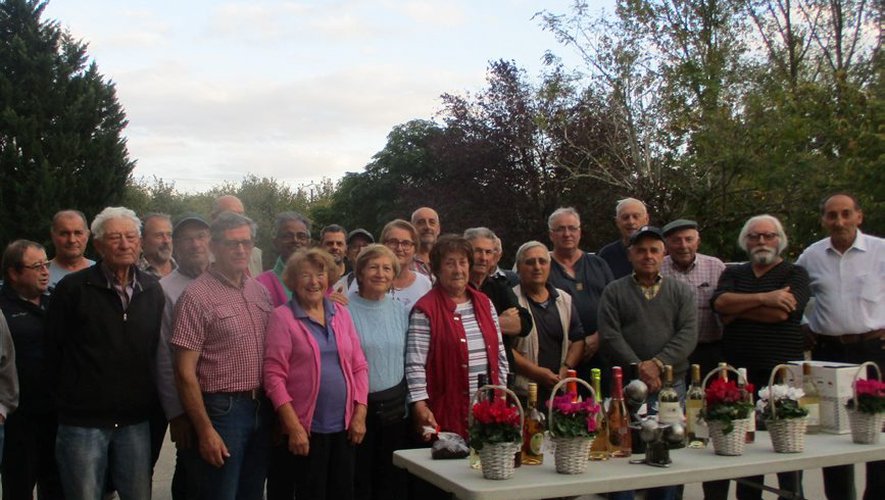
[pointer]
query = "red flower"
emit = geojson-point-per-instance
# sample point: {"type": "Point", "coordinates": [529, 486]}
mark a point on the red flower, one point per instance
{"type": "Point", "coordinates": [496, 411]}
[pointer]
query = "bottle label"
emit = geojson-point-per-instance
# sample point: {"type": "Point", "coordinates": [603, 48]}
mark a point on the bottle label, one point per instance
{"type": "Point", "coordinates": [536, 443]}
{"type": "Point", "coordinates": [692, 409]}
{"type": "Point", "coordinates": [670, 413]}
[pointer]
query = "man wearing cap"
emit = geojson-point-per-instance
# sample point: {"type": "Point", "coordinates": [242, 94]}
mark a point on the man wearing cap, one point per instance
{"type": "Point", "coordinates": [648, 319]}
{"type": "Point", "coordinates": [847, 319]}
{"type": "Point", "coordinates": [356, 240]}
{"type": "Point", "coordinates": [190, 238]}
{"type": "Point", "coordinates": [630, 214]}
{"type": "Point", "coordinates": [701, 272]}
{"type": "Point", "coordinates": [291, 233]}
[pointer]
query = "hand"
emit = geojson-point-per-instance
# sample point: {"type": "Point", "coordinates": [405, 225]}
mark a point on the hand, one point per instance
{"type": "Point", "coordinates": [212, 448]}
{"type": "Point", "coordinates": [181, 432]}
{"type": "Point", "coordinates": [423, 417]}
{"type": "Point", "coordinates": [591, 346]}
{"type": "Point", "coordinates": [651, 375]}
{"type": "Point", "coordinates": [510, 322]}
{"type": "Point", "coordinates": [299, 441]}
{"type": "Point", "coordinates": [357, 430]}
{"type": "Point", "coordinates": [780, 299]}
{"type": "Point", "coordinates": [339, 298]}
{"type": "Point", "coordinates": [546, 378]}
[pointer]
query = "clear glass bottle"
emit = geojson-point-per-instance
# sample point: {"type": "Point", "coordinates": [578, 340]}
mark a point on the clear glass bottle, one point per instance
{"type": "Point", "coordinates": [748, 396]}
{"type": "Point", "coordinates": [811, 400]}
{"type": "Point", "coordinates": [669, 410]}
{"type": "Point", "coordinates": [618, 419]}
{"type": "Point", "coordinates": [600, 449]}
{"type": "Point", "coordinates": [533, 431]}
{"type": "Point", "coordinates": [694, 402]}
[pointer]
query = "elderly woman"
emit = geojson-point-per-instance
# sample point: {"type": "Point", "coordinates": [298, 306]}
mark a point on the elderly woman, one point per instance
{"type": "Point", "coordinates": [381, 323]}
{"type": "Point", "coordinates": [402, 238]}
{"type": "Point", "coordinates": [316, 376]}
{"type": "Point", "coordinates": [556, 341]}
{"type": "Point", "coordinates": [453, 337]}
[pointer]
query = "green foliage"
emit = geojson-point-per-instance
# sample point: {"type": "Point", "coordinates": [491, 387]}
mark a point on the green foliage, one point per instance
{"type": "Point", "coordinates": [786, 408]}
{"type": "Point", "coordinates": [61, 125]}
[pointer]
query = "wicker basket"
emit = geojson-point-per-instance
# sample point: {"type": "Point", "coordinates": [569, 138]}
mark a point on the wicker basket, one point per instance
{"type": "Point", "coordinates": [865, 427]}
{"type": "Point", "coordinates": [733, 443]}
{"type": "Point", "coordinates": [571, 454]}
{"type": "Point", "coordinates": [497, 459]}
{"type": "Point", "coordinates": [787, 434]}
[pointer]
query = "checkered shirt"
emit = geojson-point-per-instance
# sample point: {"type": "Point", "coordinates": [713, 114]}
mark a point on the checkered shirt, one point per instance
{"type": "Point", "coordinates": [703, 276]}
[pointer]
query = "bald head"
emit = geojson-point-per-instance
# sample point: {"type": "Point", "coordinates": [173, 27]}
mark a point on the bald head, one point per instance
{"type": "Point", "coordinates": [227, 203]}
{"type": "Point", "coordinates": [630, 215]}
{"type": "Point", "coordinates": [426, 221]}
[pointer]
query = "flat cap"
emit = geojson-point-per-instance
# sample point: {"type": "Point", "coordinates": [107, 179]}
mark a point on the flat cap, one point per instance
{"type": "Point", "coordinates": [679, 224]}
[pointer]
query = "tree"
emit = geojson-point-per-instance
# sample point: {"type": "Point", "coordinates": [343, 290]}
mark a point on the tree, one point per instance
{"type": "Point", "coordinates": [60, 125]}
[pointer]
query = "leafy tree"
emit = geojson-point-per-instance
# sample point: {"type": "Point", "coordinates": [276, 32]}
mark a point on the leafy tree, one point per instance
{"type": "Point", "coordinates": [60, 125]}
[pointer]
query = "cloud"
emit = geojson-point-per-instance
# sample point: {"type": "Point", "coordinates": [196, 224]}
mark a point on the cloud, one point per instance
{"type": "Point", "coordinates": [449, 14]}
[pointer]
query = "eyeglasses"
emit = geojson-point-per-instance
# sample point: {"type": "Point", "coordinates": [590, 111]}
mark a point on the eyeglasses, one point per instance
{"type": "Point", "coordinates": [405, 244]}
{"type": "Point", "coordinates": [294, 236]}
{"type": "Point", "coordinates": [36, 266]}
{"type": "Point", "coordinates": [233, 244]}
{"type": "Point", "coordinates": [762, 236]}
{"type": "Point", "coordinates": [566, 229]}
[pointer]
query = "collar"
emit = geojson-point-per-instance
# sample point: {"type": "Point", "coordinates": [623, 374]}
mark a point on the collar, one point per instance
{"type": "Point", "coordinates": [111, 277]}
{"type": "Point", "coordinates": [224, 279]}
{"type": "Point", "coordinates": [678, 269]}
{"type": "Point", "coordinates": [860, 243]}
{"type": "Point", "coordinates": [300, 313]}
{"type": "Point", "coordinates": [279, 266]}
{"type": "Point", "coordinates": [658, 279]}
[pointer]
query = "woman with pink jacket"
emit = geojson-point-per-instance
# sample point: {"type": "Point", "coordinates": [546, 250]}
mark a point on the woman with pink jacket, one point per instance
{"type": "Point", "coordinates": [316, 376]}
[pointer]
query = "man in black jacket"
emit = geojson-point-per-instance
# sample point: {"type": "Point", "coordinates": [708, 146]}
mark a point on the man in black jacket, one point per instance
{"type": "Point", "coordinates": [102, 331]}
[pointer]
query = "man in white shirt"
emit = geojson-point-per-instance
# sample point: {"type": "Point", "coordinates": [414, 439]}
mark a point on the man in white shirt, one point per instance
{"type": "Point", "coordinates": [847, 322]}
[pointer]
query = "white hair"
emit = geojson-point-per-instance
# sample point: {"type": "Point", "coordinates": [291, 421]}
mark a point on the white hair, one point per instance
{"type": "Point", "coordinates": [525, 247]}
{"type": "Point", "coordinates": [479, 232]}
{"type": "Point", "coordinates": [109, 213]}
{"type": "Point", "coordinates": [562, 211]}
{"type": "Point", "coordinates": [781, 235]}
{"type": "Point", "coordinates": [622, 204]}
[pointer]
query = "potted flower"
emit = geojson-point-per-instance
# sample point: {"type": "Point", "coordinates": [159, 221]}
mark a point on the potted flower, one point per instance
{"type": "Point", "coordinates": [785, 419]}
{"type": "Point", "coordinates": [496, 434]}
{"type": "Point", "coordinates": [866, 410]}
{"type": "Point", "coordinates": [573, 425]}
{"type": "Point", "coordinates": [727, 411]}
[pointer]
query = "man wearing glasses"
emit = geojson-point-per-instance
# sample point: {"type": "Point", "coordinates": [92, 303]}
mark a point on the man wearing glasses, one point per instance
{"type": "Point", "coordinates": [291, 233]}
{"type": "Point", "coordinates": [761, 303]}
{"type": "Point", "coordinates": [29, 454]}
{"type": "Point", "coordinates": [218, 334]}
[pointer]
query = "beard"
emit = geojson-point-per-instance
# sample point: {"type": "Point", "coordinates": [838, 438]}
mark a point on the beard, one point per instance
{"type": "Point", "coordinates": [763, 256]}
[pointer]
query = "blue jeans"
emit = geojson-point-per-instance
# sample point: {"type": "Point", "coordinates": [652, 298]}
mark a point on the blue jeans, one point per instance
{"type": "Point", "coordinates": [244, 426]}
{"type": "Point", "coordinates": [86, 455]}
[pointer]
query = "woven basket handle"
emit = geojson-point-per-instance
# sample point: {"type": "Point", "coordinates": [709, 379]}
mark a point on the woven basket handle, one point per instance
{"type": "Point", "coordinates": [508, 392]}
{"type": "Point", "coordinates": [771, 377]}
{"type": "Point", "coordinates": [862, 370]}
{"type": "Point", "coordinates": [716, 371]}
{"type": "Point", "coordinates": [553, 395]}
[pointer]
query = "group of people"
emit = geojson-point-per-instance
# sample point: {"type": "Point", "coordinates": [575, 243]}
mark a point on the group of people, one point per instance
{"type": "Point", "coordinates": [301, 380]}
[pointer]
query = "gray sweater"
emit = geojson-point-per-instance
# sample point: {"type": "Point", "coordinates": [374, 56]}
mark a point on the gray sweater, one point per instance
{"type": "Point", "coordinates": [635, 329]}
{"type": "Point", "coordinates": [8, 374]}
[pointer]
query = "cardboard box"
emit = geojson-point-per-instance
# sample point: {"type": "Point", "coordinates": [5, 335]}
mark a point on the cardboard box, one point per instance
{"type": "Point", "coordinates": [834, 381]}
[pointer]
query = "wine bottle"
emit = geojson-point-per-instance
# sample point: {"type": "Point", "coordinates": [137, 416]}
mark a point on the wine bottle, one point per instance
{"type": "Point", "coordinates": [533, 431]}
{"type": "Point", "coordinates": [481, 380]}
{"type": "Point", "coordinates": [618, 419]}
{"type": "Point", "coordinates": [669, 410]}
{"type": "Point", "coordinates": [748, 397]}
{"type": "Point", "coordinates": [511, 384]}
{"type": "Point", "coordinates": [600, 449]}
{"type": "Point", "coordinates": [571, 386]}
{"type": "Point", "coordinates": [811, 400]}
{"type": "Point", "coordinates": [694, 402]}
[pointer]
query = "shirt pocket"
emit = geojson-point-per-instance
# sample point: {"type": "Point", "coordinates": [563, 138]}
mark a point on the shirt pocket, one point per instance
{"type": "Point", "coordinates": [870, 287]}
{"type": "Point", "coordinates": [227, 322]}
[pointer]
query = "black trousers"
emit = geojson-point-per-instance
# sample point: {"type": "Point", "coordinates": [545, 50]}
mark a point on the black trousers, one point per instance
{"type": "Point", "coordinates": [326, 473]}
{"type": "Point", "coordinates": [376, 478]}
{"type": "Point", "coordinates": [29, 458]}
{"type": "Point", "coordinates": [839, 480]}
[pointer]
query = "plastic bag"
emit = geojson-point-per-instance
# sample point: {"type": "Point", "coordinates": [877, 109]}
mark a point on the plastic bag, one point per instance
{"type": "Point", "coordinates": [449, 445]}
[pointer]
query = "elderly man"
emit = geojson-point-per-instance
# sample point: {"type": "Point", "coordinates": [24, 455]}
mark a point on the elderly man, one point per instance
{"type": "Point", "coordinates": [156, 246]}
{"type": "Point", "coordinates": [580, 274]}
{"type": "Point", "coordinates": [555, 343]}
{"type": "Point", "coordinates": [701, 272]}
{"type": "Point", "coordinates": [102, 331]}
{"type": "Point", "coordinates": [191, 242]}
{"type": "Point", "coordinates": [511, 277]}
{"type": "Point", "coordinates": [514, 319]}
{"type": "Point", "coordinates": [847, 318]}
{"type": "Point", "coordinates": [29, 453]}
{"type": "Point", "coordinates": [760, 304]}
{"type": "Point", "coordinates": [333, 239]}
{"type": "Point", "coordinates": [230, 203]}
{"type": "Point", "coordinates": [426, 221]}
{"type": "Point", "coordinates": [69, 237]}
{"type": "Point", "coordinates": [630, 215]}
{"type": "Point", "coordinates": [218, 333]}
{"type": "Point", "coordinates": [291, 232]}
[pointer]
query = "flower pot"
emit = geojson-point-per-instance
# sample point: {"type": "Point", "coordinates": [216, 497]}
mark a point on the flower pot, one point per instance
{"type": "Point", "coordinates": [731, 444]}
{"type": "Point", "coordinates": [787, 434]}
{"type": "Point", "coordinates": [865, 427]}
{"type": "Point", "coordinates": [571, 455]}
{"type": "Point", "coordinates": [497, 460]}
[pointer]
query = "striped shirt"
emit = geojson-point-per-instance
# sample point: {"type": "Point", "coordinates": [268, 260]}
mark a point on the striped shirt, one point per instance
{"type": "Point", "coordinates": [418, 346]}
{"type": "Point", "coordinates": [756, 345]}
{"type": "Point", "coordinates": [702, 276]}
{"type": "Point", "coordinates": [226, 324]}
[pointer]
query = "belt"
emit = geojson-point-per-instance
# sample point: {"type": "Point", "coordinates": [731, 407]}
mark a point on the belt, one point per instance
{"type": "Point", "coordinates": [852, 338]}
{"type": "Point", "coordinates": [254, 394]}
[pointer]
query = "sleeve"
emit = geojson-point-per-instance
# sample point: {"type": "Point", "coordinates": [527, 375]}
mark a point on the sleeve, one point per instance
{"type": "Point", "coordinates": [189, 327]}
{"type": "Point", "coordinates": [503, 365]}
{"type": "Point", "coordinates": [8, 374]}
{"type": "Point", "coordinates": [57, 317]}
{"type": "Point", "coordinates": [800, 286]}
{"type": "Point", "coordinates": [165, 372]}
{"type": "Point", "coordinates": [575, 329]}
{"type": "Point", "coordinates": [611, 340]}
{"type": "Point", "coordinates": [525, 318]}
{"type": "Point", "coordinates": [685, 336]}
{"type": "Point", "coordinates": [726, 284]}
{"type": "Point", "coordinates": [277, 348]}
{"type": "Point", "coordinates": [417, 348]}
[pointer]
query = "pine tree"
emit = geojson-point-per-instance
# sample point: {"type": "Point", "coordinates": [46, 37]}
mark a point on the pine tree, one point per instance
{"type": "Point", "coordinates": [61, 125]}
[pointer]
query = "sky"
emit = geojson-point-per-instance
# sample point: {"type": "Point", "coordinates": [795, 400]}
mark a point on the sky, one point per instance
{"type": "Point", "coordinates": [294, 90]}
